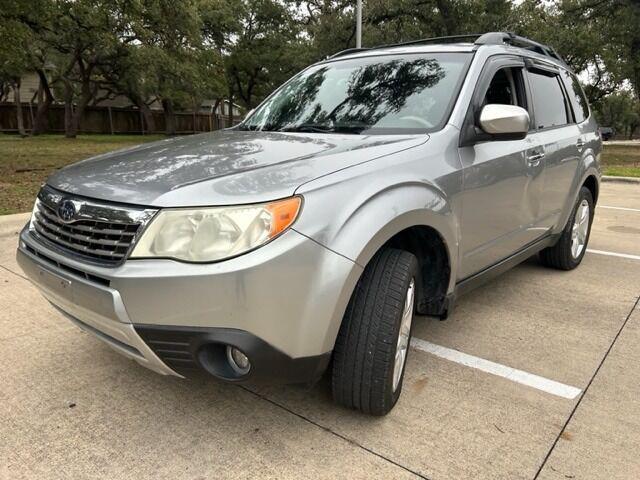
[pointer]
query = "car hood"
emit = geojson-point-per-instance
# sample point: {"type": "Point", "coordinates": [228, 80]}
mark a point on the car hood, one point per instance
{"type": "Point", "coordinates": [221, 168]}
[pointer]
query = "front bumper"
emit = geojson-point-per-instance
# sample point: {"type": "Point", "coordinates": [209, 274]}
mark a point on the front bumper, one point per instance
{"type": "Point", "coordinates": [281, 305]}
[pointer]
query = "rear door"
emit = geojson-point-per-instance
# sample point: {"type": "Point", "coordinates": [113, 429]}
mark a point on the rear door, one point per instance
{"type": "Point", "coordinates": [502, 185]}
{"type": "Point", "coordinates": [558, 138]}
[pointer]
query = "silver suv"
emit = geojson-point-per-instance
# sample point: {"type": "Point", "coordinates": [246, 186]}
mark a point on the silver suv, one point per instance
{"type": "Point", "coordinates": [375, 185]}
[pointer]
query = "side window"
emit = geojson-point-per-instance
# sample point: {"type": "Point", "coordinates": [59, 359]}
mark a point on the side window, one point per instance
{"type": "Point", "coordinates": [577, 97]}
{"type": "Point", "coordinates": [549, 103]}
{"type": "Point", "coordinates": [506, 88]}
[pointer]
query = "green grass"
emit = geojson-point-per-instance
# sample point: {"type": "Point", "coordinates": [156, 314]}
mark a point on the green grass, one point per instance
{"type": "Point", "coordinates": [26, 162]}
{"type": "Point", "coordinates": [621, 160]}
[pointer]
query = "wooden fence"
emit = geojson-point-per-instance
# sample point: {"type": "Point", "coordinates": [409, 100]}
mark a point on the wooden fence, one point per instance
{"type": "Point", "coordinates": [113, 120]}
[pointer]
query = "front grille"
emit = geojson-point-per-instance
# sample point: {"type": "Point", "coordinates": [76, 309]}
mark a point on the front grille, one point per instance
{"type": "Point", "coordinates": [89, 276]}
{"type": "Point", "coordinates": [100, 233]}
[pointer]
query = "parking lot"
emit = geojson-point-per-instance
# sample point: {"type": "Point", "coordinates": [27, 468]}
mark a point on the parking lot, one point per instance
{"type": "Point", "coordinates": [534, 375]}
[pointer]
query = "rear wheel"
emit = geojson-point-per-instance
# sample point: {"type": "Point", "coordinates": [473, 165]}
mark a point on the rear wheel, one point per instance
{"type": "Point", "coordinates": [373, 342]}
{"type": "Point", "coordinates": [568, 252]}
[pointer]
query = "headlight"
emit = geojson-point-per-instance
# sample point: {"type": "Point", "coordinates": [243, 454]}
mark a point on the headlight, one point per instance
{"type": "Point", "coordinates": [215, 233]}
{"type": "Point", "coordinates": [34, 210]}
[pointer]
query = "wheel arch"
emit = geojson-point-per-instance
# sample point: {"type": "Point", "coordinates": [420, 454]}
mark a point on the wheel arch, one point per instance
{"type": "Point", "coordinates": [361, 219]}
{"type": "Point", "coordinates": [435, 258]}
{"type": "Point", "coordinates": [591, 182]}
{"type": "Point", "coordinates": [434, 261]}
{"type": "Point", "coordinates": [589, 178]}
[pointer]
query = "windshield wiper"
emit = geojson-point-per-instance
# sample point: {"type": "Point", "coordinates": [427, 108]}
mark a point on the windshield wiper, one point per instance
{"type": "Point", "coordinates": [246, 127]}
{"type": "Point", "coordinates": [317, 128]}
{"type": "Point", "coordinates": [308, 127]}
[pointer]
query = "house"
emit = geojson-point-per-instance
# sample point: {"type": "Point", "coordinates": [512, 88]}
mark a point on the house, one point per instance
{"type": "Point", "coordinates": [221, 108]}
{"type": "Point", "coordinates": [30, 83]}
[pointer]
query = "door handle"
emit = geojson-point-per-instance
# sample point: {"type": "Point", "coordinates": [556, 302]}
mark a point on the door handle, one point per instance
{"type": "Point", "coordinates": [533, 160]}
{"type": "Point", "coordinates": [580, 144]}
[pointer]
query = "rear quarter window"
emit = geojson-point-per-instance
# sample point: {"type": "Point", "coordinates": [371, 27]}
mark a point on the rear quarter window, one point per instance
{"type": "Point", "coordinates": [576, 96]}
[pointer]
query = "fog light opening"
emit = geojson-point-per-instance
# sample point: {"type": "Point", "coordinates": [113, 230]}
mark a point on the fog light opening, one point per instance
{"type": "Point", "coordinates": [238, 361]}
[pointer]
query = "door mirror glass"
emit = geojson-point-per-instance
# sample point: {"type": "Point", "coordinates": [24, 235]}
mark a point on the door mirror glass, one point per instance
{"type": "Point", "coordinates": [504, 122]}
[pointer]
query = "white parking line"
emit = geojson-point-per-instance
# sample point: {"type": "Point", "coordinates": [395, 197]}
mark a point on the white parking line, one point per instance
{"type": "Point", "coordinates": [620, 208]}
{"type": "Point", "coordinates": [518, 376]}
{"type": "Point", "coordinates": [614, 254]}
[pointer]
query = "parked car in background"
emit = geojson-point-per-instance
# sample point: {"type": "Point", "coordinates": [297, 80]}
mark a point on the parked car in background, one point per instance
{"type": "Point", "coordinates": [607, 133]}
{"type": "Point", "coordinates": [373, 186]}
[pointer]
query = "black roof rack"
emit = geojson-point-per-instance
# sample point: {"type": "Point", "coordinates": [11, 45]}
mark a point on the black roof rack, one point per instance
{"type": "Point", "coordinates": [424, 41]}
{"type": "Point", "coordinates": [491, 38]}
{"type": "Point", "coordinates": [450, 39]}
{"type": "Point", "coordinates": [347, 52]}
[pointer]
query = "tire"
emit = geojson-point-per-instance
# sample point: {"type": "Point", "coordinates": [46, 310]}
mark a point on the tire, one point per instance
{"type": "Point", "coordinates": [563, 254]}
{"type": "Point", "coordinates": [364, 357]}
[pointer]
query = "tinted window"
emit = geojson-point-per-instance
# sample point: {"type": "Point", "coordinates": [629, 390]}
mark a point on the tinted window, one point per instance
{"type": "Point", "coordinates": [548, 100]}
{"type": "Point", "coordinates": [506, 88]}
{"type": "Point", "coordinates": [401, 94]}
{"type": "Point", "coordinates": [501, 89]}
{"type": "Point", "coordinates": [578, 100]}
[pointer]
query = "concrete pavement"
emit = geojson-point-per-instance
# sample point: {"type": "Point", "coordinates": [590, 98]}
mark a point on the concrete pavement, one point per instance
{"type": "Point", "coordinates": [73, 408]}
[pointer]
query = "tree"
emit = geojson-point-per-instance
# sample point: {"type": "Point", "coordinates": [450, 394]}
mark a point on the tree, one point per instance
{"type": "Point", "coordinates": [179, 53]}
{"type": "Point", "coordinates": [170, 60]}
{"type": "Point", "coordinates": [331, 24]}
{"type": "Point", "coordinates": [133, 76]}
{"type": "Point", "coordinates": [621, 111]}
{"type": "Point", "coordinates": [14, 62]}
{"type": "Point", "coordinates": [599, 38]}
{"type": "Point", "coordinates": [86, 35]}
{"type": "Point", "coordinates": [265, 49]}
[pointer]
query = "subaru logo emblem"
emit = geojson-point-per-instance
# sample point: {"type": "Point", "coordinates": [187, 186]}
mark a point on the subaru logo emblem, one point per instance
{"type": "Point", "coordinates": [66, 210]}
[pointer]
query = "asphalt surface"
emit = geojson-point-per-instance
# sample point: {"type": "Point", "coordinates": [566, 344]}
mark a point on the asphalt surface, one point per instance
{"type": "Point", "coordinates": [539, 377]}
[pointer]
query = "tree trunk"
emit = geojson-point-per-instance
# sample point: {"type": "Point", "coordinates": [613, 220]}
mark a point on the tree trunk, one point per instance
{"type": "Point", "coordinates": [230, 111]}
{"type": "Point", "coordinates": [169, 118]}
{"type": "Point", "coordinates": [45, 99]}
{"type": "Point", "coordinates": [214, 112]}
{"type": "Point", "coordinates": [147, 114]}
{"type": "Point", "coordinates": [447, 15]}
{"type": "Point", "coordinates": [71, 121]}
{"type": "Point", "coordinates": [78, 112]}
{"type": "Point", "coordinates": [69, 130]}
{"type": "Point", "coordinates": [18, 102]}
{"type": "Point", "coordinates": [68, 115]}
{"type": "Point", "coordinates": [86, 95]}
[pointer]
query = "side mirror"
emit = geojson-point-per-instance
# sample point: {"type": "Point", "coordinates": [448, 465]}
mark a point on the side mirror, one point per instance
{"type": "Point", "coordinates": [504, 122]}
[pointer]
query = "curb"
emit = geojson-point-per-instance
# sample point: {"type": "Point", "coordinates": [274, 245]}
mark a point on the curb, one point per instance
{"type": "Point", "coordinates": [609, 178]}
{"type": "Point", "coordinates": [11, 224]}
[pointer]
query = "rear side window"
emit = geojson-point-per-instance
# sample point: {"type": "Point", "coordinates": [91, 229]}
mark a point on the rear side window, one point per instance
{"type": "Point", "coordinates": [549, 105]}
{"type": "Point", "coordinates": [576, 95]}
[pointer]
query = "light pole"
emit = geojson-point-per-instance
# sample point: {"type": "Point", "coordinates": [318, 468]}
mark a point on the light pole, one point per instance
{"type": "Point", "coordinates": [359, 24]}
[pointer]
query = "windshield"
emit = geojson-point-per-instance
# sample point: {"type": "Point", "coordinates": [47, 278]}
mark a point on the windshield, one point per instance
{"type": "Point", "coordinates": [371, 95]}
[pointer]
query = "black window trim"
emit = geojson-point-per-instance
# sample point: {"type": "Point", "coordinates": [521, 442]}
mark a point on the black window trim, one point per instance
{"type": "Point", "coordinates": [549, 70]}
{"type": "Point", "coordinates": [573, 76]}
{"type": "Point", "coordinates": [469, 132]}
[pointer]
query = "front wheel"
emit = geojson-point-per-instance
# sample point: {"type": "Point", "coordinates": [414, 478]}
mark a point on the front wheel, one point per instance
{"type": "Point", "coordinates": [373, 342]}
{"type": "Point", "coordinates": [567, 253]}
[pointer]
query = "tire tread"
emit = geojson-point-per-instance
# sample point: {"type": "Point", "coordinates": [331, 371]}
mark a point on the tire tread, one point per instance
{"type": "Point", "coordinates": [365, 347]}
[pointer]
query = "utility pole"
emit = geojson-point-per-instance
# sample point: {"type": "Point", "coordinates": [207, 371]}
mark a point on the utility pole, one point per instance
{"type": "Point", "coordinates": [359, 24]}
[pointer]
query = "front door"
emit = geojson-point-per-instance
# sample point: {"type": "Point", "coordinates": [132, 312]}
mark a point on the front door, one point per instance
{"type": "Point", "coordinates": [503, 180]}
